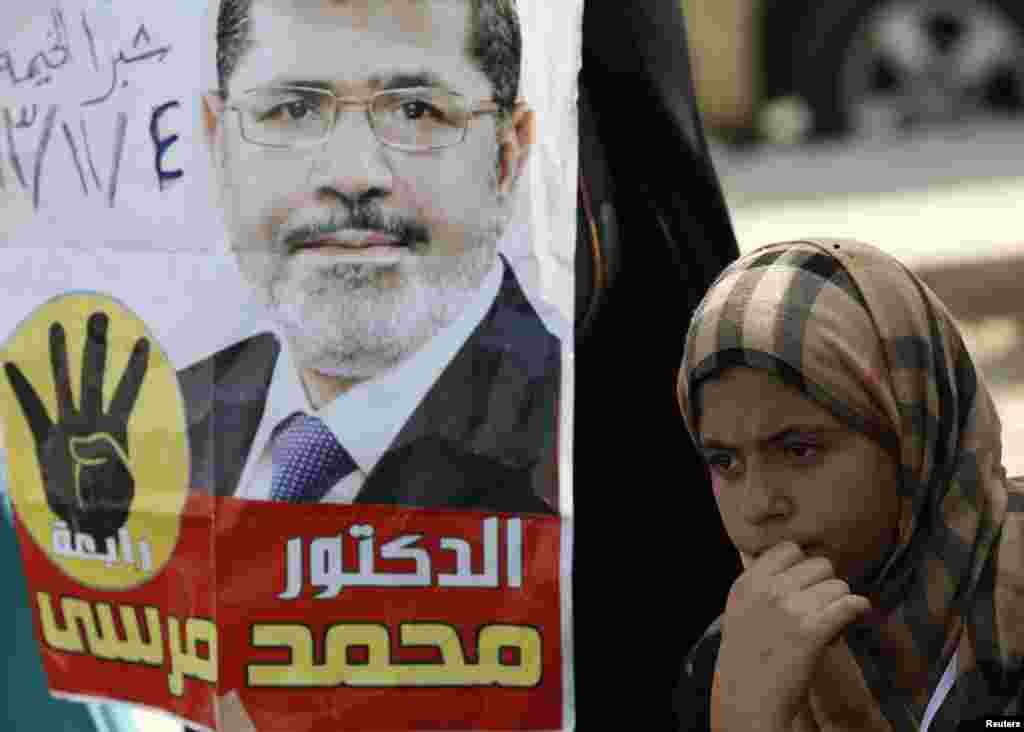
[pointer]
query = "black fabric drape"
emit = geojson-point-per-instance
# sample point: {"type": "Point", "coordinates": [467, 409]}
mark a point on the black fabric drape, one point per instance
{"type": "Point", "coordinates": [653, 565]}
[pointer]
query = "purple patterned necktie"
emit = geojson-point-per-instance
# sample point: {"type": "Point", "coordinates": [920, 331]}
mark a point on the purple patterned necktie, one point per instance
{"type": "Point", "coordinates": [307, 460]}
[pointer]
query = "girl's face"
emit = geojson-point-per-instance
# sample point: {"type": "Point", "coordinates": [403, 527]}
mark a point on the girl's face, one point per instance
{"type": "Point", "coordinates": [783, 468]}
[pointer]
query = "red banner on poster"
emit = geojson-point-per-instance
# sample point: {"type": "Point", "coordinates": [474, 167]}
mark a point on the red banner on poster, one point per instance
{"type": "Point", "coordinates": [275, 616]}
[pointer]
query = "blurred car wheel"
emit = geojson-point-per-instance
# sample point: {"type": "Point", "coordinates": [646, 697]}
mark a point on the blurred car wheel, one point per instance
{"type": "Point", "coordinates": [874, 67]}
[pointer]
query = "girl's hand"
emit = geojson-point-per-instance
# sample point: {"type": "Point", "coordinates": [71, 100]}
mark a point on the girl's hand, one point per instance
{"type": "Point", "coordinates": [781, 615]}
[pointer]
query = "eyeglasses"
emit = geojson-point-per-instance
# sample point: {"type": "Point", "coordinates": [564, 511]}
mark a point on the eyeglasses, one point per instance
{"type": "Point", "coordinates": [414, 119]}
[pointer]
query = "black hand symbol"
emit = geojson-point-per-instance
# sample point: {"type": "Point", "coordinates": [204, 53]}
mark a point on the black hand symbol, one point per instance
{"type": "Point", "coordinates": [83, 457]}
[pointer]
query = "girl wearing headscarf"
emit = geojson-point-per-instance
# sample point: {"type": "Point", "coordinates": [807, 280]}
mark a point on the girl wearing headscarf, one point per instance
{"type": "Point", "coordinates": [855, 457]}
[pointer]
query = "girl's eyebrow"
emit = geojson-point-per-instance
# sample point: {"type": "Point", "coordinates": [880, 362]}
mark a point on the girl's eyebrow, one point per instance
{"type": "Point", "coordinates": [786, 433]}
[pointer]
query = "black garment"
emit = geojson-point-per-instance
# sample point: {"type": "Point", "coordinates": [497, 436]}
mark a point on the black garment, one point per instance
{"type": "Point", "coordinates": [484, 437]}
{"type": "Point", "coordinates": [652, 563]}
{"type": "Point", "coordinates": [692, 700]}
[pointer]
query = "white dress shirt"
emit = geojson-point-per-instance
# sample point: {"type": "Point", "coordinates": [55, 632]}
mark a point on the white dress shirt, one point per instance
{"type": "Point", "coordinates": [366, 418]}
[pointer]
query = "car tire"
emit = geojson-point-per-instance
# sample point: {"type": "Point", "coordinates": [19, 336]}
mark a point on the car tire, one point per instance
{"type": "Point", "coordinates": [838, 40]}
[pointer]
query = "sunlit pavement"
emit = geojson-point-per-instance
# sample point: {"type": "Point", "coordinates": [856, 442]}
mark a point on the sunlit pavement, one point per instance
{"type": "Point", "coordinates": [948, 204]}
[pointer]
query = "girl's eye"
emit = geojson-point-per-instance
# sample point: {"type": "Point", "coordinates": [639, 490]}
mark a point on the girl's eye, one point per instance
{"type": "Point", "coordinates": [721, 462]}
{"type": "Point", "coordinates": [803, 451]}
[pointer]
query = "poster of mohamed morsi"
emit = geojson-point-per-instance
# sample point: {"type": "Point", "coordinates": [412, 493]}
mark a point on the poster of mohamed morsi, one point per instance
{"type": "Point", "coordinates": [287, 366]}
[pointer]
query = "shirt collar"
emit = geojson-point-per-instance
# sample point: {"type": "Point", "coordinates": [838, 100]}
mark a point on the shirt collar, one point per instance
{"type": "Point", "coordinates": [367, 418]}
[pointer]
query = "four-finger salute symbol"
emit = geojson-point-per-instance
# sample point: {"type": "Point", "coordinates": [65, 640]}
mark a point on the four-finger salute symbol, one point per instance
{"type": "Point", "coordinates": [84, 456]}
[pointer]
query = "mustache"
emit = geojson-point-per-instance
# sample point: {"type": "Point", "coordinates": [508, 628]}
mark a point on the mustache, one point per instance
{"type": "Point", "coordinates": [408, 232]}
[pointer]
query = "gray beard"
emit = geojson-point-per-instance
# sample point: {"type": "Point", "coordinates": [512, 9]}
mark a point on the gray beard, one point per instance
{"type": "Point", "coordinates": [341, 321]}
{"type": "Point", "coordinates": [338, 318]}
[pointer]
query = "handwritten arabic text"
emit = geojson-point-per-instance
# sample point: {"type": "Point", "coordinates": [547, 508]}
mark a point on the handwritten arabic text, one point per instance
{"type": "Point", "coordinates": [40, 70]}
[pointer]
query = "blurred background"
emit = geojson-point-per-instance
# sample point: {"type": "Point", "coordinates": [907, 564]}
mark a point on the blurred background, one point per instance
{"type": "Point", "coordinates": [898, 122]}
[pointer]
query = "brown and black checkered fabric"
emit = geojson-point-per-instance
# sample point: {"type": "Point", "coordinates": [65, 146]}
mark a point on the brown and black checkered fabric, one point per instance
{"type": "Point", "coordinates": [858, 333]}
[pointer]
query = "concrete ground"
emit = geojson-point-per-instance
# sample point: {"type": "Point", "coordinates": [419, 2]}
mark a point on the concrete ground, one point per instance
{"type": "Point", "coordinates": [948, 204]}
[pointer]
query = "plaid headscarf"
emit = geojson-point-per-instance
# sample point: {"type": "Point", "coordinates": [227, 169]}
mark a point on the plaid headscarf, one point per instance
{"type": "Point", "coordinates": [860, 335]}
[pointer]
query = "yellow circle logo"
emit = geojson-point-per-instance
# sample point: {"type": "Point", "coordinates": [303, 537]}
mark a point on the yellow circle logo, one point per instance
{"type": "Point", "coordinates": [96, 440]}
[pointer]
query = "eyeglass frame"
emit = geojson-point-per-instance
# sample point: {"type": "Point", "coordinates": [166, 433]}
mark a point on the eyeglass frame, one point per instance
{"type": "Point", "coordinates": [484, 106]}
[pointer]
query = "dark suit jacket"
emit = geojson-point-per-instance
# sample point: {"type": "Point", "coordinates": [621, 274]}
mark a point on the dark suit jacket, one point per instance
{"type": "Point", "coordinates": [484, 437]}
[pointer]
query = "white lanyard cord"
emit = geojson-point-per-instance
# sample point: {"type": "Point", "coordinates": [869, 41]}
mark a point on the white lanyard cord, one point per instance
{"type": "Point", "coordinates": [945, 684]}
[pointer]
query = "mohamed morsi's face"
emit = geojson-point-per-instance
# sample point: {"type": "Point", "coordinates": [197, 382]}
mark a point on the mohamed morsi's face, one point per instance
{"type": "Point", "coordinates": [362, 251]}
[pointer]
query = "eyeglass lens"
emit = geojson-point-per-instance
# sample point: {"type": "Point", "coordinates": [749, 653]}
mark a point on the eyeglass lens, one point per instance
{"type": "Point", "coordinates": [415, 118]}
